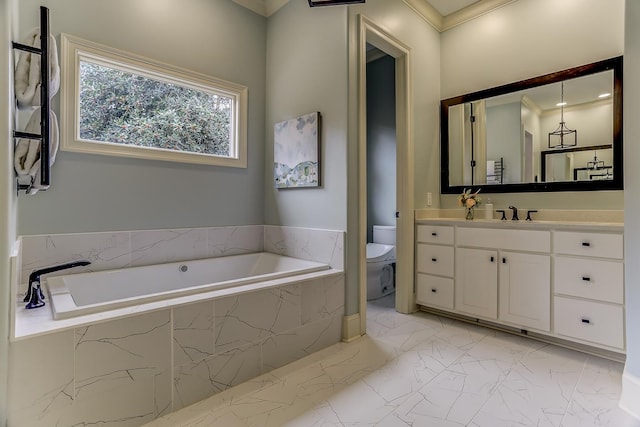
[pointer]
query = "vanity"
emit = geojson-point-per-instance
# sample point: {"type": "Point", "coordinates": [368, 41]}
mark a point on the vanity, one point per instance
{"type": "Point", "coordinates": [554, 280]}
{"type": "Point", "coordinates": [559, 277]}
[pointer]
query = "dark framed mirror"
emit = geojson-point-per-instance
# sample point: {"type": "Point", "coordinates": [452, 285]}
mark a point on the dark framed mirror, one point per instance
{"type": "Point", "coordinates": [557, 132]}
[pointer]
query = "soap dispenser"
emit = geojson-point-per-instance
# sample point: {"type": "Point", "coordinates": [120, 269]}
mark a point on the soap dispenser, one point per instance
{"type": "Point", "coordinates": [488, 210]}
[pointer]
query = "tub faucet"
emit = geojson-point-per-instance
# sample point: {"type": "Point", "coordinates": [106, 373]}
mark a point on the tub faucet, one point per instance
{"type": "Point", "coordinates": [515, 213]}
{"type": "Point", "coordinates": [34, 296]}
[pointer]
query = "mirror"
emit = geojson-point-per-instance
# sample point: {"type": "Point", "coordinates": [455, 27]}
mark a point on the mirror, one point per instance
{"type": "Point", "coordinates": [557, 132]}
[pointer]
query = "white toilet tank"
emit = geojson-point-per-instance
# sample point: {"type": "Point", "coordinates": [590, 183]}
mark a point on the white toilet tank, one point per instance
{"type": "Point", "coordinates": [385, 234]}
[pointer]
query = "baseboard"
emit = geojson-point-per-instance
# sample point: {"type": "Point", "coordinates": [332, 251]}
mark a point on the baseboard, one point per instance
{"type": "Point", "coordinates": [351, 327]}
{"type": "Point", "coordinates": [630, 396]}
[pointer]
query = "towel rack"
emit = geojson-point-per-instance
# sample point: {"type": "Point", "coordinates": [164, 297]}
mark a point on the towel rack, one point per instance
{"type": "Point", "coordinates": [45, 109]}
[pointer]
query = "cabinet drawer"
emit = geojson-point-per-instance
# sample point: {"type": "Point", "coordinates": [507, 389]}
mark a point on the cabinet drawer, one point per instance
{"type": "Point", "coordinates": [435, 259]}
{"type": "Point", "coordinates": [602, 245]}
{"type": "Point", "coordinates": [434, 291]}
{"type": "Point", "coordinates": [590, 321]}
{"type": "Point", "coordinates": [589, 278]}
{"type": "Point", "coordinates": [517, 240]}
{"type": "Point", "coordinates": [441, 234]}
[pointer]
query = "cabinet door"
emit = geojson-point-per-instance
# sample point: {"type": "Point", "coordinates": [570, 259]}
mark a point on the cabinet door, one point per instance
{"type": "Point", "coordinates": [476, 283]}
{"type": "Point", "coordinates": [525, 289]}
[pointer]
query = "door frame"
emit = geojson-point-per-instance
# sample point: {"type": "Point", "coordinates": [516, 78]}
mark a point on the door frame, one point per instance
{"type": "Point", "coordinates": [370, 32]}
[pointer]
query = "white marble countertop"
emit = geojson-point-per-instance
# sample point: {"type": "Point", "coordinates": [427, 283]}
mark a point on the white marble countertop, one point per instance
{"type": "Point", "coordinates": [539, 225]}
{"type": "Point", "coordinates": [30, 323]}
{"type": "Point", "coordinates": [544, 219]}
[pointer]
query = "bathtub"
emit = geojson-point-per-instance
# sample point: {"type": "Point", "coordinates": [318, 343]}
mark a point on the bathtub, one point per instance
{"type": "Point", "coordinates": [85, 293]}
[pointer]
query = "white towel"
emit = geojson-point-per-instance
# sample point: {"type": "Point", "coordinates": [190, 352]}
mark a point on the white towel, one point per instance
{"type": "Point", "coordinates": [27, 152]}
{"type": "Point", "coordinates": [491, 167]}
{"type": "Point", "coordinates": [27, 74]}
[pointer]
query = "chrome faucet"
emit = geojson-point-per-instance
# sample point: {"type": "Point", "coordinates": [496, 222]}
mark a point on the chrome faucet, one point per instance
{"type": "Point", "coordinates": [34, 296]}
{"type": "Point", "coordinates": [515, 213]}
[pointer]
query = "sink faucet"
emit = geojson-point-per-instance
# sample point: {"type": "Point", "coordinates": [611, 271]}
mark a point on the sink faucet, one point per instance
{"type": "Point", "coordinates": [515, 213]}
{"type": "Point", "coordinates": [35, 296]}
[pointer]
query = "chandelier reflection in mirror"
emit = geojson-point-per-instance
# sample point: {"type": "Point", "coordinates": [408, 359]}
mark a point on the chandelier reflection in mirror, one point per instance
{"type": "Point", "coordinates": [595, 164]}
{"type": "Point", "coordinates": [597, 169]}
{"type": "Point", "coordinates": [563, 136]}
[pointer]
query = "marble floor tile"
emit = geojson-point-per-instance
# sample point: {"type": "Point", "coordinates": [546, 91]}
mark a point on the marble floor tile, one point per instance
{"type": "Point", "coordinates": [423, 370]}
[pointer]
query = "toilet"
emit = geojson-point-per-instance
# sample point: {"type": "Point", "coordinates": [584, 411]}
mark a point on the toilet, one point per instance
{"type": "Point", "coordinates": [381, 262]}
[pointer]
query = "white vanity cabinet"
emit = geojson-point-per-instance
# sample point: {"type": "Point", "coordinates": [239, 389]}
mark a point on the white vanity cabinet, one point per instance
{"type": "Point", "coordinates": [559, 280]}
{"type": "Point", "coordinates": [525, 289]}
{"type": "Point", "coordinates": [476, 282]}
{"type": "Point", "coordinates": [589, 287]}
{"type": "Point", "coordinates": [504, 274]}
{"type": "Point", "coordinates": [434, 266]}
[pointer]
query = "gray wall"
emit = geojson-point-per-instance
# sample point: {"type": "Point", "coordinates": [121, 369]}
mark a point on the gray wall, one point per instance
{"type": "Point", "coordinates": [632, 184]}
{"type": "Point", "coordinates": [525, 39]}
{"type": "Point", "coordinates": [381, 144]}
{"type": "Point", "coordinates": [306, 72]}
{"type": "Point", "coordinates": [94, 192]}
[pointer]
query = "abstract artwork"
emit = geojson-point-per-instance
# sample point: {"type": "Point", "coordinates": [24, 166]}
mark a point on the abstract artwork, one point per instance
{"type": "Point", "coordinates": [296, 153]}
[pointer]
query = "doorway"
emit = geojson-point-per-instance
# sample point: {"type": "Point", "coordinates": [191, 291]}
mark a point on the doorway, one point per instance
{"type": "Point", "coordinates": [369, 34]}
{"type": "Point", "coordinates": [381, 175]}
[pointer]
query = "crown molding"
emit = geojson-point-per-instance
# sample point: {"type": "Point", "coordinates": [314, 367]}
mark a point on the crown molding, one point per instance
{"type": "Point", "coordinates": [265, 8]}
{"type": "Point", "coordinates": [272, 6]}
{"type": "Point", "coordinates": [444, 23]}
{"type": "Point", "coordinates": [471, 12]}
{"type": "Point", "coordinates": [257, 6]}
{"type": "Point", "coordinates": [427, 12]}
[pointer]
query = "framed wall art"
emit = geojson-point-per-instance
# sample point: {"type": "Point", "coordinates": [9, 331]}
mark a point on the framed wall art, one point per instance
{"type": "Point", "coordinates": [296, 152]}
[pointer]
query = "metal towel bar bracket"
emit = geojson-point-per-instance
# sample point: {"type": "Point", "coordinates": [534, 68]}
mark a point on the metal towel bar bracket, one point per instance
{"type": "Point", "coordinates": [43, 137]}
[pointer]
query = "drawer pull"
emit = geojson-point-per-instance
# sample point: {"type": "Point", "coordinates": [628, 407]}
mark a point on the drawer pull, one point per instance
{"type": "Point", "coordinates": [586, 278]}
{"type": "Point", "coordinates": [434, 290]}
{"type": "Point", "coordinates": [434, 234]}
{"type": "Point", "coordinates": [434, 259]}
{"type": "Point", "coordinates": [504, 260]}
{"type": "Point", "coordinates": [492, 259]}
{"type": "Point", "coordinates": [586, 321]}
{"type": "Point", "coordinates": [586, 244]}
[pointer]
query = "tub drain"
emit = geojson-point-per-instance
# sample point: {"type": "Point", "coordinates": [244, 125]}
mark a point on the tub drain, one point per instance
{"type": "Point", "coordinates": [183, 268]}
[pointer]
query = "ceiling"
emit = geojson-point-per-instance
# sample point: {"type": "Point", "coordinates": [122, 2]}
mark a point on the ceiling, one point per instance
{"type": "Point", "coordinates": [441, 14]}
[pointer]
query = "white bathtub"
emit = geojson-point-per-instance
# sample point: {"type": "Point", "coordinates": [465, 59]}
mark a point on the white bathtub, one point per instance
{"type": "Point", "coordinates": [84, 293]}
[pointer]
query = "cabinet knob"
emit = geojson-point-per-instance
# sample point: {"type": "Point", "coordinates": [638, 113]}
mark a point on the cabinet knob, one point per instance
{"type": "Point", "coordinates": [586, 244]}
{"type": "Point", "coordinates": [586, 278]}
{"type": "Point", "coordinates": [585, 321]}
{"type": "Point", "coordinates": [434, 234]}
{"type": "Point", "coordinates": [434, 290]}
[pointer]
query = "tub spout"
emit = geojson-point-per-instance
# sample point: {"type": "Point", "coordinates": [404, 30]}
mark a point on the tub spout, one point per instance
{"type": "Point", "coordinates": [35, 297]}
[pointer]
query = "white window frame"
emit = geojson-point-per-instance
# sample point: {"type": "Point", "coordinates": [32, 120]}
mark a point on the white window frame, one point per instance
{"type": "Point", "coordinates": [73, 49]}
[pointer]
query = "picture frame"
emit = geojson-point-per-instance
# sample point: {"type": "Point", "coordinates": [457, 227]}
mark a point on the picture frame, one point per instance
{"type": "Point", "coordinates": [296, 152]}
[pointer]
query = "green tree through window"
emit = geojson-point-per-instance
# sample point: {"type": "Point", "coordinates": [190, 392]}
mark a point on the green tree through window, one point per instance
{"type": "Point", "coordinates": [125, 108]}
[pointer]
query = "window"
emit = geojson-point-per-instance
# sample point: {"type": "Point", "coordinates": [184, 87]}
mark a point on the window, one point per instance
{"type": "Point", "coordinates": [117, 103]}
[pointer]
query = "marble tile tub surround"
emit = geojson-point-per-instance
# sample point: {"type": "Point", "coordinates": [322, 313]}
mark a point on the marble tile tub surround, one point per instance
{"type": "Point", "coordinates": [120, 249]}
{"type": "Point", "coordinates": [129, 371]}
{"type": "Point", "coordinates": [543, 215]}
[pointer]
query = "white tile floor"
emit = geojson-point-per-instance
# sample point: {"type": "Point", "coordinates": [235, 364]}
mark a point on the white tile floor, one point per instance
{"type": "Point", "coordinates": [422, 370]}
